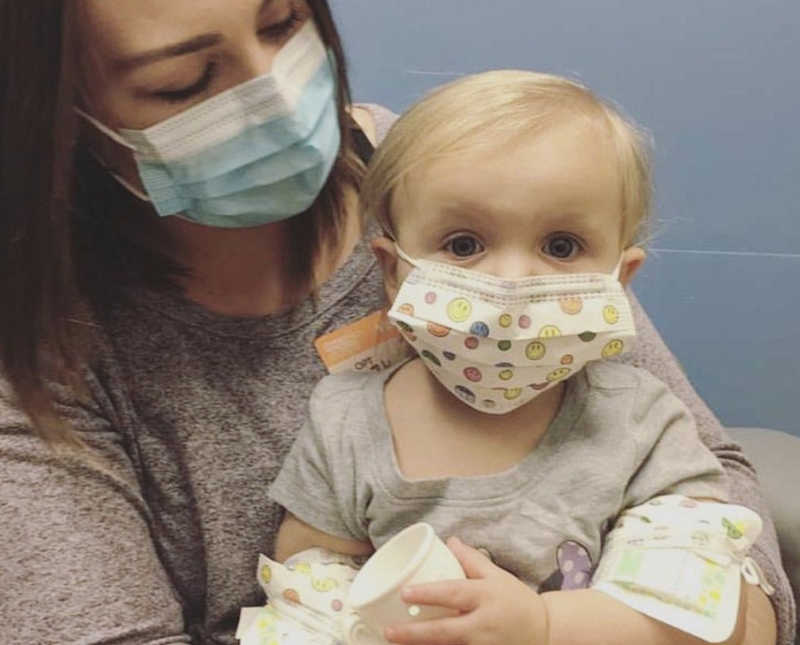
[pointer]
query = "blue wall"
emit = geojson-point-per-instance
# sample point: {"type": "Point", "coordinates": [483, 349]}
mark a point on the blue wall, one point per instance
{"type": "Point", "coordinates": [717, 83]}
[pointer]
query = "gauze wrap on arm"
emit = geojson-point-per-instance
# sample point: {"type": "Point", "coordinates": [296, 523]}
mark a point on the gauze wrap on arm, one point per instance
{"type": "Point", "coordinates": [306, 600]}
{"type": "Point", "coordinates": [680, 561]}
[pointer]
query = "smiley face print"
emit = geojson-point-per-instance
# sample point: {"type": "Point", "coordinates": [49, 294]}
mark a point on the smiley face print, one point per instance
{"type": "Point", "coordinates": [571, 306]}
{"type": "Point", "coordinates": [535, 350]}
{"type": "Point", "coordinates": [472, 374]}
{"type": "Point", "coordinates": [324, 584]}
{"type": "Point", "coordinates": [471, 342]}
{"type": "Point", "coordinates": [613, 348]}
{"type": "Point", "coordinates": [440, 331]}
{"type": "Point", "coordinates": [459, 309]}
{"type": "Point", "coordinates": [465, 393]}
{"type": "Point", "coordinates": [558, 374]}
{"type": "Point", "coordinates": [292, 596]}
{"type": "Point", "coordinates": [479, 328]}
{"type": "Point", "coordinates": [611, 314]}
{"type": "Point", "coordinates": [549, 331]}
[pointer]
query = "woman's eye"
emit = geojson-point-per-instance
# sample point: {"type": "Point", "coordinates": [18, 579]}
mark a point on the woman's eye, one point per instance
{"type": "Point", "coordinates": [463, 246]}
{"type": "Point", "coordinates": [562, 247]}
{"type": "Point", "coordinates": [188, 92]}
{"type": "Point", "coordinates": [278, 30]}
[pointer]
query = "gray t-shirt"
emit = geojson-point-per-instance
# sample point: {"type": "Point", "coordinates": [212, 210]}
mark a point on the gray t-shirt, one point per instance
{"type": "Point", "coordinates": [620, 437]}
{"type": "Point", "coordinates": [192, 414]}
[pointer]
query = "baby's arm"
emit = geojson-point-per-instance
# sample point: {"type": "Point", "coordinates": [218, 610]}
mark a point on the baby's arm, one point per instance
{"type": "Point", "coordinates": [320, 485]}
{"type": "Point", "coordinates": [496, 608]}
{"type": "Point", "coordinates": [673, 460]}
{"type": "Point", "coordinates": [295, 535]}
{"type": "Point", "coordinates": [606, 620]}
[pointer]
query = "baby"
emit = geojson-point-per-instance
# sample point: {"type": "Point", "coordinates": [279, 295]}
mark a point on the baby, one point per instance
{"type": "Point", "coordinates": [512, 204]}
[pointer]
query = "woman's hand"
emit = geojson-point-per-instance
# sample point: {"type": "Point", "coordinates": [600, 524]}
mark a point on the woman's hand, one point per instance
{"type": "Point", "coordinates": [495, 607]}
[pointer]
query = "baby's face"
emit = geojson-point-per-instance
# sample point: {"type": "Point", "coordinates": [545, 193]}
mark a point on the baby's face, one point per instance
{"type": "Point", "coordinates": [545, 203]}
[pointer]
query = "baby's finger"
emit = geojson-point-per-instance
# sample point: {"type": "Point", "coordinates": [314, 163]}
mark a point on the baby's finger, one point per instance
{"type": "Point", "coordinates": [453, 594]}
{"type": "Point", "coordinates": [474, 563]}
{"type": "Point", "coordinates": [442, 631]}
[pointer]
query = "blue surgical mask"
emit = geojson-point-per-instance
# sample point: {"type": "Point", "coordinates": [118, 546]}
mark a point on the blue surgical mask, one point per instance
{"type": "Point", "coordinates": [257, 153]}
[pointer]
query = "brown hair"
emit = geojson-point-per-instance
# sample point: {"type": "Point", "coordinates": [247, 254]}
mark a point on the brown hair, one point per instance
{"type": "Point", "coordinates": [67, 237]}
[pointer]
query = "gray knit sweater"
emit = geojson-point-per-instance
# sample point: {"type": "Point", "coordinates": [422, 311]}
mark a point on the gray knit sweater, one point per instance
{"type": "Point", "coordinates": [192, 414]}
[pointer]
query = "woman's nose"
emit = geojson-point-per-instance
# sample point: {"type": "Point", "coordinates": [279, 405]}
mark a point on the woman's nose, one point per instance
{"type": "Point", "coordinates": [254, 58]}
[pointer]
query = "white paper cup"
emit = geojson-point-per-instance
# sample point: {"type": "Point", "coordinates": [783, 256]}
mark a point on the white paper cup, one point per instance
{"type": "Point", "coordinates": [414, 556]}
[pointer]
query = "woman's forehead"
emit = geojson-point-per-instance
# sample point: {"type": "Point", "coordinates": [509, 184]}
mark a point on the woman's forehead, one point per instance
{"type": "Point", "coordinates": [120, 29]}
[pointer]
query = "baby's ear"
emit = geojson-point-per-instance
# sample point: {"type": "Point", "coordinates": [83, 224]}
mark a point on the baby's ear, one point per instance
{"type": "Point", "coordinates": [632, 259]}
{"type": "Point", "coordinates": [384, 249]}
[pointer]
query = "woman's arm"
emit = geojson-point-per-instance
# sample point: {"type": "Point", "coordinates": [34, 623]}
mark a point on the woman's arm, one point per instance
{"type": "Point", "coordinates": [294, 536]}
{"type": "Point", "coordinates": [653, 355]}
{"type": "Point", "coordinates": [78, 562]}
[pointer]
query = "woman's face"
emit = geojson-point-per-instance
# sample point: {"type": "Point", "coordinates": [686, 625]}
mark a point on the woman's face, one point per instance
{"type": "Point", "coordinates": [146, 60]}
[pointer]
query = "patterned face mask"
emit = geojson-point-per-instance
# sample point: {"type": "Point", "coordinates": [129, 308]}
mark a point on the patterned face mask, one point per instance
{"type": "Point", "coordinates": [497, 343]}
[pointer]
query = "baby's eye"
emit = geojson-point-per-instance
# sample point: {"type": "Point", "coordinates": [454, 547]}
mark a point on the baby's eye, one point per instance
{"type": "Point", "coordinates": [562, 246]}
{"type": "Point", "coordinates": [463, 246]}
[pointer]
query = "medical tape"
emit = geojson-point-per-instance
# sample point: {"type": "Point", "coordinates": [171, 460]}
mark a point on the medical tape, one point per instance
{"type": "Point", "coordinates": [681, 562]}
{"type": "Point", "coordinates": [306, 617]}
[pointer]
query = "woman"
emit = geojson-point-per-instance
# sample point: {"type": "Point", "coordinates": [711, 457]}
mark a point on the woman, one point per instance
{"type": "Point", "coordinates": [161, 306]}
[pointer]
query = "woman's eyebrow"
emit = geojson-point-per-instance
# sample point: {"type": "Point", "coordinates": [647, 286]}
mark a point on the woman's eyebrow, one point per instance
{"type": "Point", "coordinates": [169, 51]}
{"type": "Point", "coordinates": [178, 49]}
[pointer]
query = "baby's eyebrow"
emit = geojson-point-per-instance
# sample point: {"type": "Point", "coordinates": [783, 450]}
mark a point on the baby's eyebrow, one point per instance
{"type": "Point", "coordinates": [571, 219]}
{"type": "Point", "coordinates": [466, 209]}
{"type": "Point", "coordinates": [462, 206]}
{"type": "Point", "coordinates": [460, 213]}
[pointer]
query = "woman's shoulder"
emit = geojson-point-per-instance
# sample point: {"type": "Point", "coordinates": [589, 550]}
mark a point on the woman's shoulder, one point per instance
{"type": "Point", "coordinates": [382, 117]}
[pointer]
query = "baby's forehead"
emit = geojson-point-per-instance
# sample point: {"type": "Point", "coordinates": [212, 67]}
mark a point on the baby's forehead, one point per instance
{"type": "Point", "coordinates": [483, 140]}
{"type": "Point", "coordinates": [580, 135]}
{"type": "Point", "coordinates": [558, 176]}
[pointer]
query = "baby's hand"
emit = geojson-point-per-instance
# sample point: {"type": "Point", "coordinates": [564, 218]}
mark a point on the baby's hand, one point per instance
{"type": "Point", "coordinates": [495, 607]}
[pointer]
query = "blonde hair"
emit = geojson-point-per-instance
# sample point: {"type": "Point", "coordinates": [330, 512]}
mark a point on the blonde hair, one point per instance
{"type": "Point", "coordinates": [490, 109]}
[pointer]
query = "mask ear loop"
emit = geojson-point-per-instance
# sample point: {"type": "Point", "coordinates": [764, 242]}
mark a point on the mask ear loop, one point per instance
{"type": "Point", "coordinates": [111, 134]}
{"type": "Point", "coordinates": [617, 269]}
{"type": "Point", "coordinates": [116, 137]}
{"type": "Point", "coordinates": [402, 254]}
{"type": "Point", "coordinates": [133, 190]}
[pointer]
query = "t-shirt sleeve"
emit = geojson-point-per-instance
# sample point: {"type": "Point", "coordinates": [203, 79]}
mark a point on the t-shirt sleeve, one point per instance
{"type": "Point", "coordinates": [78, 563]}
{"type": "Point", "coordinates": [318, 482]}
{"type": "Point", "coordinates": [671, 457]}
